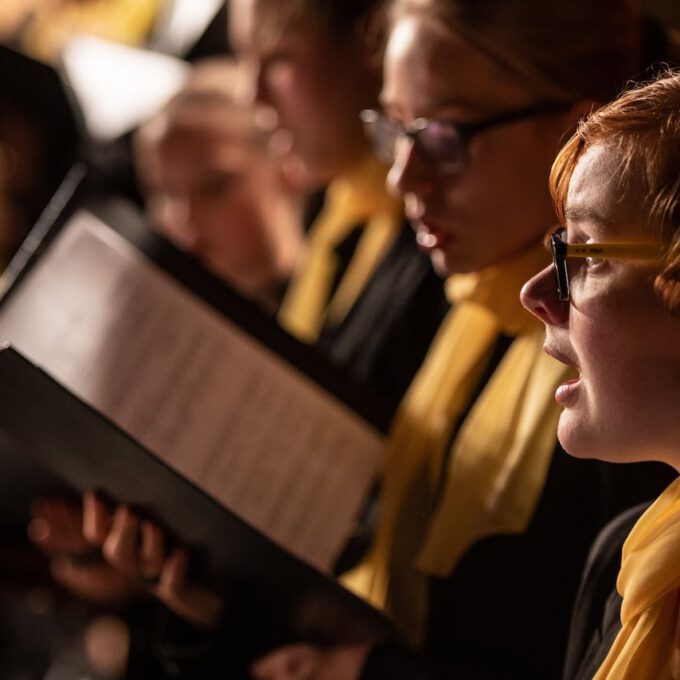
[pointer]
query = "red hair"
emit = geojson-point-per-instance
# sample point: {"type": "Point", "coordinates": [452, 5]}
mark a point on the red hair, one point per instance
{"type": "Point", "coordinates": [643, 124]}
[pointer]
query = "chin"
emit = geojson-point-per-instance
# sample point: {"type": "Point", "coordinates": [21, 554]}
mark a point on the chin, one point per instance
{"type": "Point", "coordinates": [446, 264]}
{"type": "Point", "coordinates": [440, 265]}
{"type": "Point", "coordinates": [582, 439]}
{"type": "Point", "coordinates": [578, 438]}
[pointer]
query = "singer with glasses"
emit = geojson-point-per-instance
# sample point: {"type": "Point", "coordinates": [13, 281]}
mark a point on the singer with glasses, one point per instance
{"type": "Point", "coordinates": [613, 314]}
{"type": "Point", "coordinates": [443, 143]}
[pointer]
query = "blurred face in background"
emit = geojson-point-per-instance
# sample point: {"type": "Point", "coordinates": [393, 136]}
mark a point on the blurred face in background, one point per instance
{"type": "Point", "coordinates": [316, 82]}
{"type": "Point", "coordinates": [210, 186]}
{"type": "Point", "coordinates": [203, 206]}
{"type": "Point", "coordinates": [498, 203]}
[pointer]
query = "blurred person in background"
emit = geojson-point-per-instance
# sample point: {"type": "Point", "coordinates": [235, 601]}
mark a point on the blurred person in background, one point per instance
{"type": "Point", "coordinates": [271, 136]}
{"type": "Point", "coordinates": [211, 188]}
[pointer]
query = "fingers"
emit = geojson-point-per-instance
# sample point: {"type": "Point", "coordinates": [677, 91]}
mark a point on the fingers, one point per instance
{"type": "Point", "coordinates": [134, 547]}
{"type": "Point", "coordinates": [291, 662]}
{"type": "Point", "coordinates": [137, 550]}
{"type": "Point", "coordinates": [120, 549]}
{"type": "Point", "coordinates": [151, 552]}
{"type": "Point", "coordinates": [71, 535]}
{"type": "Point", "coordinates": [56, 527]}
{"type": "Point", "coordinates": [191, 601]}
{"type": "Point", "coordinates": [306, 662]}
{"type": "Point", "coordinates": [174, 576]}
{"type": "Point", "coordinates": [93, 581]}
{"type": "Point", "coordinates": [97, 519]}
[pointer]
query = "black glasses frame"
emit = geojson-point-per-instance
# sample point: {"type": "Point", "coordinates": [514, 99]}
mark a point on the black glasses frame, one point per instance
{"type": "Point", "coordinates": [561, 250]}
{"type": "Point", "coordinates": [465, 131]}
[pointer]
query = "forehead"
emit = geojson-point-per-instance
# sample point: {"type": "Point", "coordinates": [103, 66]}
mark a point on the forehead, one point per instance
{"type": "Point", "coordinates": [427, 66]}
{"type": "Point", "coordinates": [598, 201]}
{"type": "Point", "coordinates": [263, 23]}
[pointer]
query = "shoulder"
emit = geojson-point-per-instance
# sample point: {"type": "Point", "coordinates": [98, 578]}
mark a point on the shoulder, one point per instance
{"type": "Point", "coordinates": [595, 619]}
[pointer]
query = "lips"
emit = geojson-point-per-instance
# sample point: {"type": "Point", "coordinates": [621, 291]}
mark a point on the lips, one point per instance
{"type": "Point", "coordinates": [559, 355]}
{"type": "Point", "coordinates": [430, 237]}
{"type": "Point", "coordinates": [567, 392]}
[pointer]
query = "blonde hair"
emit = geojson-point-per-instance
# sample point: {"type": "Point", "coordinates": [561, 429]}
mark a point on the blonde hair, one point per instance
{"type": "Point", "coordinates": [565, 49]}
{"type": "Point", "coordinates": [643, 124]}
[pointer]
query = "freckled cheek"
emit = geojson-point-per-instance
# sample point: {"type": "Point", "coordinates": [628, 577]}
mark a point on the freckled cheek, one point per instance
{"type": "Point", "coordinates": [593, 341]}
{"type": "Point", "coordinates": [618, 376]}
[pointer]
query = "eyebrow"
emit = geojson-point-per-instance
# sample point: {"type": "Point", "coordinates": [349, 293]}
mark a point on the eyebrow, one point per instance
{"type": "Point", "coordinates": [580, 213]}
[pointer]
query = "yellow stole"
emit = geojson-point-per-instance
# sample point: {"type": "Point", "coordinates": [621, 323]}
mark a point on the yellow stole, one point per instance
{"type": "Point", "coordinates": [492, 479]}
{"type": "Point", "coordinates": [648, 644]}
{"type": "Point", "coordinates": [125, 21]}
{"type": "Point", "coordinates": [359, 198]}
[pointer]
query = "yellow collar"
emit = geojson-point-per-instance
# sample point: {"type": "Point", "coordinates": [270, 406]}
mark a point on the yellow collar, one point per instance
{"type": "Point", "coordinates": [497, 289]}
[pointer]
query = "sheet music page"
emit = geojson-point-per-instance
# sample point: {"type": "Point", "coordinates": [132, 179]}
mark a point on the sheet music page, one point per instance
{"type": "Point", "coordinates": [225, 411]}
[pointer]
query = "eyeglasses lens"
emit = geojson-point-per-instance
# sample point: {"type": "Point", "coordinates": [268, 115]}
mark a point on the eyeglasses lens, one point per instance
{"type": "Point", "coordinates": [558, 248]}
{"type": "Point", "coordinates": [438, 142]}
{"type": "Point", "coordinates": [443, 144]}
{"type": "Point", "coordinates": [384, 134]}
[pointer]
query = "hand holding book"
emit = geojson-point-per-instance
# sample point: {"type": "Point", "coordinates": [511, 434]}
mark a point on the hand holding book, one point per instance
{"type": "Point", "coordinates": [76, 563]}
{"type": "Point", "coordinates": [112, 556]}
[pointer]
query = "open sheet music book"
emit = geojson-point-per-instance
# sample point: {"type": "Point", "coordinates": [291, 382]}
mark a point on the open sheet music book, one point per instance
{"type": "Point", "coordinates": [91, 318]}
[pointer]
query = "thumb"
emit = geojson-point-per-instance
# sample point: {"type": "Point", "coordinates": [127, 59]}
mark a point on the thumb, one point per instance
{"type": "Point", "coordinates": [291, 662]}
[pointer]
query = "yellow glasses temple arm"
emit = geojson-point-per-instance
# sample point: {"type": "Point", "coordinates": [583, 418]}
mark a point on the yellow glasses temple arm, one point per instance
{"type": "Point", "coordinates": [643, 250]}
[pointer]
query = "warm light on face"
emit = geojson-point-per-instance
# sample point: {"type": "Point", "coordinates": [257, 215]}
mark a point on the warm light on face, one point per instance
{"type": "Point", "coordinates": [614, 329]}
{"type": "Point", "coordinates": [438, 89]}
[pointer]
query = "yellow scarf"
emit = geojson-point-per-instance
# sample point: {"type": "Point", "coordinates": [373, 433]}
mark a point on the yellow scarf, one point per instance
{"type": "Point", "coordinates": [648, 644]}
{"type": "Point", "coordinates": [359, 198]}
{"type": "Point", "coordinates": [125, 21]}
{"type": "Point", "coordinates": [499, 459]}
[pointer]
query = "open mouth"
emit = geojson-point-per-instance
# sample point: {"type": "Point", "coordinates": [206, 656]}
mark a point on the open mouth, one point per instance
{"type": "Point", "coordinates": [567, 391]}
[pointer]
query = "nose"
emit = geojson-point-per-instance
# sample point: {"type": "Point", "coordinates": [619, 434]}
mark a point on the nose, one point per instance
{"type": "Point", "coordinates": [539, 296]}
{"type": "Point", "coordinates": [409, 172]}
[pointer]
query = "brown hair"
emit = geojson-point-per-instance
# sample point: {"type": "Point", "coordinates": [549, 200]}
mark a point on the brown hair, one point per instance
{"type": "Point", "coordinates": [565, 49]}
{"type": "Point", "coordinates": [643, 124]}
{"type": "Point", "coordinates": [338, 17]}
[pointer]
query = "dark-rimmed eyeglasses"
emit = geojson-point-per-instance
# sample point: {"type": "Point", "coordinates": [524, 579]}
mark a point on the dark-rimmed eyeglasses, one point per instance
{"type": "Point", "coordinates": [443, 143]}
{"type": "Point", "coordinates": [561, 250]}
